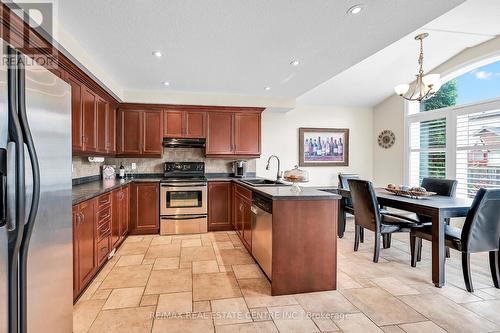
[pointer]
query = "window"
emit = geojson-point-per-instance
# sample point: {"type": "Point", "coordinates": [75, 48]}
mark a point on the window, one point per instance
{"type": "Point", "coordinates": [456, 133]}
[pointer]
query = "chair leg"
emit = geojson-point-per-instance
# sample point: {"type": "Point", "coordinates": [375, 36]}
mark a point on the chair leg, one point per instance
{"type": "Point", "coordinates": [386, 241]}
{"type": "Point", "coordinates": [356, 237]}
{"type": "Point", "coordinates": [419, 249]}
{"type": "Point", "coordinates": [376, 248]}
{"type": "Point", "coordinates": [466, 271]}
{"type": "Point", "coordinates": [361, 234]}
{"type": "Point", "coordinates": [495, 272]}
{"type": "Point", "coordinates": [414, 250]}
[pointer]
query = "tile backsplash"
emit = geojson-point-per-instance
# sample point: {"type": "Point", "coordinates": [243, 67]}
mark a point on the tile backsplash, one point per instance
{"type": "Point", "coordinates": [83, 168]}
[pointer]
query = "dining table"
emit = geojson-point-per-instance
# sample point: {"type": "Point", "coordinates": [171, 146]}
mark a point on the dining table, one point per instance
{"type": "Point", "coordinates": [438, 208]}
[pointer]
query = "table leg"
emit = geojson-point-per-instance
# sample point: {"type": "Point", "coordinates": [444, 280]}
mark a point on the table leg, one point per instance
{"type": "Point", "coordinates": [438, 250]}
{"type": "Point", "coordinates": [341, 218]}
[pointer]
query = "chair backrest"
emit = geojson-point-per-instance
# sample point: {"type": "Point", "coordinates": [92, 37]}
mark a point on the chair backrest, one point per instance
{"type": "Point", "coordinates": [344, 184]}
{"type": "Point", "coordinates": [365, 204]}
{"type": "Point", "coordinates": [481, 230]}
{"type": "Point", "coordinates": [444, 187]}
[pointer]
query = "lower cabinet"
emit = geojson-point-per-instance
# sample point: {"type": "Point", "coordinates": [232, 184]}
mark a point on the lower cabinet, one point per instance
{"type": "Point", "coordinates": [84, 244]}
{"type": "Point", "coordinates": [120, 216]}
{"type": "Point", "coordinates": [219, 206]}
{"type": "Point", "coordinates": [145, 208]}
{"type": "Point", "coordinates": [242, 214]}
{"type": "Point", "coordinates": [99, 225]}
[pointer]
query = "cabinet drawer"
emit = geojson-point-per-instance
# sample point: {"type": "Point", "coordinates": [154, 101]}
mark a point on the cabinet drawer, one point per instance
{"type": "Point", "coordinates": [104, 230]}
{"type": "Point", "coordinates": [103, 214]}
{"type": "Point", "coordinates": [103, 200]}
{"type": "Point", "coordinates": [102, 250]}
{"type": "Point", "coordinates": [246, 193]}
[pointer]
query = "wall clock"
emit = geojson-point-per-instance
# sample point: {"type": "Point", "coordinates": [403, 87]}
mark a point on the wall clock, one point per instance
{"type": "Point", "coordinates": [386, 139]}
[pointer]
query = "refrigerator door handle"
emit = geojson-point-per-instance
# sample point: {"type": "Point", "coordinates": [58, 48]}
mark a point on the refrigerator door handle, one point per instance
{"type": "Point", "coordinates": [3, 187]}
{"type": "Point", "coordinates": [35, 170]}
{"type": "Point", "coordinates": [15, 233]}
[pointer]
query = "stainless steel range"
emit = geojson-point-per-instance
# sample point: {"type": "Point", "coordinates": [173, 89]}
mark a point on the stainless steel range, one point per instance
{"type": "Point", "coordinates": [183, 198]}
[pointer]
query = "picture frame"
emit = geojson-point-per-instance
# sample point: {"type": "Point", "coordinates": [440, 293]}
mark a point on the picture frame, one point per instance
{"type": "Point", "coordinates": [323, 146]}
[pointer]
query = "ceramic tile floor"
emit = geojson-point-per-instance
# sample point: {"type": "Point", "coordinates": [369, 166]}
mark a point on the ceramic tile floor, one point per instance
{"type": "Point", "coordinates": [209, 283]}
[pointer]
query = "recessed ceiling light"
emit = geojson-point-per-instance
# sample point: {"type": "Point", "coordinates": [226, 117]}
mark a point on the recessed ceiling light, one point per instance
{"type": "Point", "coordinates": [165, 83]}
{"type": "Point", "coordinates": [157, 54]}
{"type": "Point", "coordinates": [295, 62]}
{"type": "Point", "coordinates": [354, 10]}
{"type": "Point", "coordinates": [267, 88]}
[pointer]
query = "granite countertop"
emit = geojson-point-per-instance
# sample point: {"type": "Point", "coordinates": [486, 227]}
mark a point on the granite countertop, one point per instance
{"type": "Point", "coordinates": [95, 188]}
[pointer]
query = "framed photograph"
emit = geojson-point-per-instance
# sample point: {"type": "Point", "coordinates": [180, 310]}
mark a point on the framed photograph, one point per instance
{"type": "Point", "coordinates": [324, 146]}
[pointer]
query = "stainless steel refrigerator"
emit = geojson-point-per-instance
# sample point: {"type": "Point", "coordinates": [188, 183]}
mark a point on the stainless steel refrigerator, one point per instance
{"type": "Point", "coordinates": [36, 254]}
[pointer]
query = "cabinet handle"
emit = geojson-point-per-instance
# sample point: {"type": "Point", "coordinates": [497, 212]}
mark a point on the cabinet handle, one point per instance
{"type": "Point", "coordinates": [104, 248]}
{"type": "Point", "coordinates": [83, 219]}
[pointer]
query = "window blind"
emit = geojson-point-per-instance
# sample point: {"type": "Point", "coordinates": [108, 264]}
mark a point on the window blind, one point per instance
{"type": "Point", "coordinates": [478, 152]}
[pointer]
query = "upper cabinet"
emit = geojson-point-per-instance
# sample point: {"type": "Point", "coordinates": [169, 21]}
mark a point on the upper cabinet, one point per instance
{"type": "Point", "coordinates": [93, 120]}
{"type": "Point", "coordinates": [139, 132]}
{"type": "Point", "coordinates": [184, 123]}
{"type": "Point", "coordinates": [233, 133]}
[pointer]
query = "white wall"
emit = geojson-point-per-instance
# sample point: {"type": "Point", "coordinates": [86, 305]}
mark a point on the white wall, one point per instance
{"type": "Point", "coordinates": [388, 164]}
{"type": "Point", "coordinates": [280, 136]}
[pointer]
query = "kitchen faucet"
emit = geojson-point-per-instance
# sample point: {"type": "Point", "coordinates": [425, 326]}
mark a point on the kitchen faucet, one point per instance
{"type": "Point", "coordinates": [278, 174]}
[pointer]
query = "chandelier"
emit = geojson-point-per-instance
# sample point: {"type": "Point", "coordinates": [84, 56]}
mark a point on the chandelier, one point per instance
{"type": "Point", "coordinates": [425, 86]}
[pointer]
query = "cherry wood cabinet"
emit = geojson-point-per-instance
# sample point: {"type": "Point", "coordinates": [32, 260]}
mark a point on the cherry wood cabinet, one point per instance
{"type": "Point", "coordinates": [220, 136]}
{"type": "Point", "coordinates": [233, 133]}
{"type": "Point", "coordinates": [120, 215]}
{"type": "Point", "coordinates": [84, 245]}
{"type": "Point", "coordinates": [242, 214]}
{"type": "Point", "coordinates": [184, 124]}
{"type": "Point", "coordinates": [140, 133]}
{"type": "Point", "coordinates": [145, 208]}
{"type": "Point", "coordinates": [76, 114]}
{"type": "Point", "coordinates": [102, 125]}
{"type": "Point", "coordinates": [219, 206]}
{"type": "Point", "coordinates": [111, 130]}
{"type": "Point", "coordinates": [89, 121]}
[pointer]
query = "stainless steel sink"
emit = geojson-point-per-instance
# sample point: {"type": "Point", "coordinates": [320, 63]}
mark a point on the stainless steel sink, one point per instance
{"type": "Point", "coordinates": [257, 182]}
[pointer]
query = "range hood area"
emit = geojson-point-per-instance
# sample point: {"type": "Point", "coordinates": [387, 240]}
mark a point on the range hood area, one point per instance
{"type": "Point", "coordinates": [183, 143]}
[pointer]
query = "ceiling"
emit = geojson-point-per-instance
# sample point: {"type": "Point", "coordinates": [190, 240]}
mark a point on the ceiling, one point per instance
{"type": "Point", "coordinates": [241, 46]}
{"type": "Point", "coordinates": [373, 79]}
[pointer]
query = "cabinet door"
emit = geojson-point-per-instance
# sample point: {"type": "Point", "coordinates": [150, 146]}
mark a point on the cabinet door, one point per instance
{"type": "Point", "coordinates": [219, 133]}
{"type": "Point", "coordinates": [116, 209]}
{"type": "Point", "coordinates": [247, 133]}
{"type": "Point", "coordinates": [173, 126]}
{"type": "Point", "coordinates": [102, 125]}
{"type": "Point", "coordinates": [76, 114]}
{"type": "Point", "coordinates": [247, 223]}
{"type": "Point", "coordinates": [89, 121]}
{"type": "Point", "coordinates": [85, 231]}
{"type": "Point", "coordinates": [76, 219]}
{"type": "Point", "coordinates": [195, 124]}
{"type": "Point", "coordinates": [146, 208]}
{"type": "Point", "coordinates": [125, 212]}
{"type": "Point", "coordinates": [238, 214]}
{"type": "Point", "coordinates": [111, 131]}
{"type": "Point", "coordinates": [152, 133]}
{"type": "Point", "coordinates": [130, 132]}
{"type": "Point", "coordinates": [219, 206]}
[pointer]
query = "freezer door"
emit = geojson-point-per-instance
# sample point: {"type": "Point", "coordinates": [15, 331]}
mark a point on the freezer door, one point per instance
{"type": "Point", "coordinates": [50, 254]}
{"type": "Point", "coordinates": [3, 231]}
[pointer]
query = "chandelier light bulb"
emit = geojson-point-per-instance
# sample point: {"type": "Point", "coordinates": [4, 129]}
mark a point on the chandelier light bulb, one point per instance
{"type": "Point", "coordinates": [401, 89]}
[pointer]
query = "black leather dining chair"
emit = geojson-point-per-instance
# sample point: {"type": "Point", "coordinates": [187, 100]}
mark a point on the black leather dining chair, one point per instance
{"type": "Point", "coordinates": [348, 208]}
{"type": "Point", "coordinates": [480, 233]}
{"type": "Point", "coordinates": [368, 216]}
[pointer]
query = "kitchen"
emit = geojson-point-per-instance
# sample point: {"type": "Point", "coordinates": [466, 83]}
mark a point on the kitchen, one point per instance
{"type": "Point", "coordinates": [197, 179]}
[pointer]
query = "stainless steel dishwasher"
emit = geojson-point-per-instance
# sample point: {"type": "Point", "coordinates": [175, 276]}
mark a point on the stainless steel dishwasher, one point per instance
{"type": "Point", "coordinates": [262, 232]}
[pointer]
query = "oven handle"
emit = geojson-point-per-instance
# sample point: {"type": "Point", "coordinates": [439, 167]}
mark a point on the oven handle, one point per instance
{"type": "Point", "coordinates": [182, 184]}
{"type": "Point", "coordinates": [180, 217]}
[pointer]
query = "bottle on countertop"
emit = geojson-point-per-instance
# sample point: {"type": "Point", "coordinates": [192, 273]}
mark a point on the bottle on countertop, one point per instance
{"type": "Point", "coordinates": [122, 172]}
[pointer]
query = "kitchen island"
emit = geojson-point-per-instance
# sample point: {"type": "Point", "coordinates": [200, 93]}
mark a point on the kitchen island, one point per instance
{"type": "Point", "coordinates": [301, 234]}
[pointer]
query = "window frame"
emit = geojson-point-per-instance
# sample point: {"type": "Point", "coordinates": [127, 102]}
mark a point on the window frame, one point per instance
{"type": "Point", "coordinates": [450, 114]}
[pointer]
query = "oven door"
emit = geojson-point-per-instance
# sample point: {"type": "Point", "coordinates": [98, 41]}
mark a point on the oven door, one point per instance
{"type": "Point", "coordinates": [183, 199]}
